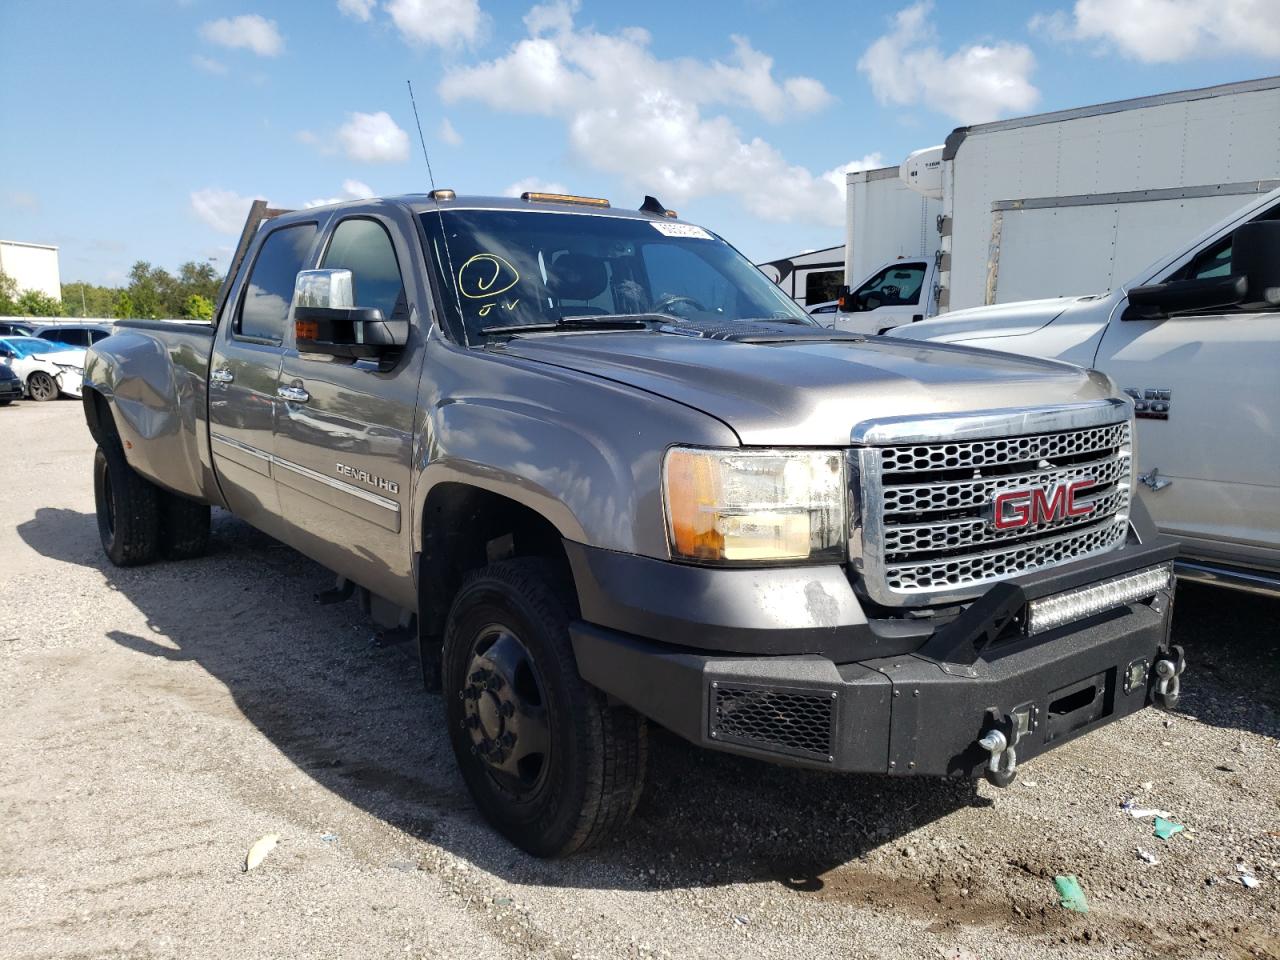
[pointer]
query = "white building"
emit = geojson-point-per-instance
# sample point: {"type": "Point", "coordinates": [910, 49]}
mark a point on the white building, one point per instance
{"type": "Point", "coordinates": [33, 265]}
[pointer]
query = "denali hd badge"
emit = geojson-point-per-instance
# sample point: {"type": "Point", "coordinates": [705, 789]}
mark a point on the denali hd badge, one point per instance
{"type": "Point", "coordinates": [1017, 509]}
{"type": "Point", "coordinates": [371, 479]}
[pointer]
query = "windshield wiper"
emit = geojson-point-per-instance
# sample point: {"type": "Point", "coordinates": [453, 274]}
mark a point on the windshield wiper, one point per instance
{"type": "Point", "coordinates": [597, 321]}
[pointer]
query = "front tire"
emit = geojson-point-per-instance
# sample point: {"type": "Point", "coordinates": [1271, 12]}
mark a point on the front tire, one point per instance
{"type": "Point", "coordinates": [42, 387]}
{"type": "Point", "coordinates": [128, 507]}
{"type": "Point", "coordinates": [549, 762]}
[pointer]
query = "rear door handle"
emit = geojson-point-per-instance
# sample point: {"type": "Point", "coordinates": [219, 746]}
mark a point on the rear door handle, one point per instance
{"type": "Point", "coordinates": [222, 375]}
{"type": "Point", "coordinates": [293, 394]}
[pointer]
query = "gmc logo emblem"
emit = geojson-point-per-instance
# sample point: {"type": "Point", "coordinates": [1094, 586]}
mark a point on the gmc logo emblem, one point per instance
{"type": "Point", "coordinates": [1016, 509]}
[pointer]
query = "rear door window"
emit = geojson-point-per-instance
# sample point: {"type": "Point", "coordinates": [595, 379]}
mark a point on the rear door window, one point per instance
{"type": "Point", "coordinates": [264, 307]}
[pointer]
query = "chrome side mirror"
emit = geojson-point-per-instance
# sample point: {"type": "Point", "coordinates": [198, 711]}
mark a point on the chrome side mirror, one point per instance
{"type": "Point", "coordinates": [327, 289]}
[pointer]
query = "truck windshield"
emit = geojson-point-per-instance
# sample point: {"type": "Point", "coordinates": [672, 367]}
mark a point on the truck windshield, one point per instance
{"type": "Point", "coordinates": [510, 268]}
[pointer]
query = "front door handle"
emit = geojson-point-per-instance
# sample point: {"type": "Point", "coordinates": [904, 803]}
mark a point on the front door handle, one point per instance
{"type": "Point", "coordinates": [222, 375]}
{"type": "Point", "coordinates": [293, 394]}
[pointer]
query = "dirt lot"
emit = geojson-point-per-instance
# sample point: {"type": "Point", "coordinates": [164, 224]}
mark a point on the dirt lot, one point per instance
{"type": "Point", "coordinates": [157, 721]}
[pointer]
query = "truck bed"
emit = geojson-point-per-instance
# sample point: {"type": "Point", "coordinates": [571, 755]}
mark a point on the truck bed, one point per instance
{"type": "Point", "coordinates": [157, 373]}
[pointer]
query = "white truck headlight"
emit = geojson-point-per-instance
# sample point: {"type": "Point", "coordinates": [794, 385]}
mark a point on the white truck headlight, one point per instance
{"type": "Point", "coordinates": [755, 506]}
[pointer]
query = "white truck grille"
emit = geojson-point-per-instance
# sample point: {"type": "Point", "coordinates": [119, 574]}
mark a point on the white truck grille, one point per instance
{"type": "Point", "coordinates": [940, 519]}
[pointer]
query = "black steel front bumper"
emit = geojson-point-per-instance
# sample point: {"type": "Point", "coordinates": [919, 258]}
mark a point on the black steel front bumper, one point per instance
{"type": "Point", "coordinates": [917, 711]}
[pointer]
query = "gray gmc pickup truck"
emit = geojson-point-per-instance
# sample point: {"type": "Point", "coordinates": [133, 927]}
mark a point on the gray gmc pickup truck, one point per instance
{"type": "Point", "coordinates": [607, 473]}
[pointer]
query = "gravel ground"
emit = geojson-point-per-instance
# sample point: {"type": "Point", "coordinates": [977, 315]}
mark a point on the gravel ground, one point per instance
{"type": "Point", "coordinates": [157, 721]}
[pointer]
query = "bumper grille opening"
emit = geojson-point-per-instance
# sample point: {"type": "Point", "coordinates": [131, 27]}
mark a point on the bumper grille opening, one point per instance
{"type": "Point", "coordinates": [927, 509]}
{"type": "Point", "coordinates": [777, 719]}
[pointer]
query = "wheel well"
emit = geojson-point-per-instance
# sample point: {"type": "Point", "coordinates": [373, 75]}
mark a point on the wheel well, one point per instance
{"type": "Point", "coordinates": [465, 528]}
{"type": "Point", "coordinates": [97, 414]}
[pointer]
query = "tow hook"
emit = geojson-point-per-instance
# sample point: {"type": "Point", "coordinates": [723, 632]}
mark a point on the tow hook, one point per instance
{"type": "Point", "coordinates": [1003, 765]}
{"type": "Point", "coordinates": [1168, 671]}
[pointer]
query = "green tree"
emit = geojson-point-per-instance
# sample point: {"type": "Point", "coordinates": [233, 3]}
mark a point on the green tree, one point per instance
{"type": "Point", "coordinates": [8, 295]}
{"type": "Point", "coordinates": [88, 300]}
{"type": "Point", "coordinates": [124, 308]}
{"type": "Point", "coordinates": [35, 303]}
{"type": "Point", "coordinates": [198, 308]}
{"type": "Point", "coordinates": [146, 289]}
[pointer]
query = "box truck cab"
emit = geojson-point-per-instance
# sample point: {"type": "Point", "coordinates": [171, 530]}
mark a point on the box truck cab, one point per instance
{"type": "Point", "coordinates": [1194, 340]}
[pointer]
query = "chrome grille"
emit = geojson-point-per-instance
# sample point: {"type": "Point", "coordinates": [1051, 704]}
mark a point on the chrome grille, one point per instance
{"type": "Point", "coordinates": [924, 508]}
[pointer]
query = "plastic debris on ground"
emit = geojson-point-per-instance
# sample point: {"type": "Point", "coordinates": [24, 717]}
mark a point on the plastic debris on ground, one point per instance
{"type": "Point", "coordinates": [1070, 894]}
{"type": "Point", "coordinates": [1164, 829]}
{"type": "Point", "coordinates": [258, 852]}
{"type": "Point", "coordinates": [1246, 878]}
{"type": "Point", "coordinates": [1148, 856]}
{"type": "Point", "coordinates": [329, 837]}
{"type": "Point", "coordinates": [1131, 807]}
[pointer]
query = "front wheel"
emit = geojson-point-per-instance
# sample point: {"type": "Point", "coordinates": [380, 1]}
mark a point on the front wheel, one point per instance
{"type": "Point", "coordinates": [42, 387]}
{"type": "Point", "coordinates": [549, 762]}
{"type": "Point", "coordinates": [128, 508]}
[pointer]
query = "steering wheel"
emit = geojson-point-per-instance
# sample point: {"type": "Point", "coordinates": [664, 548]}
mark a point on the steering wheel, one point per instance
{"type": "Point", "coordinates": [891, 292]}
{"type": "Point", "coordinates": [671, 299]}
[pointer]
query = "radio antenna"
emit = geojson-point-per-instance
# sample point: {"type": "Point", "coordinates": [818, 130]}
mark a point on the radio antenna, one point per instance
{"type": "Point", "coordinates": [444, 237]}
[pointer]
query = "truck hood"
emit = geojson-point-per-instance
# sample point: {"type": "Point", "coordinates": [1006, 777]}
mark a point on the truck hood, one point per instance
{"type": "Point", "coordinates": [998, 320]}
{"type": "Point", "coordinates": [812, 392]}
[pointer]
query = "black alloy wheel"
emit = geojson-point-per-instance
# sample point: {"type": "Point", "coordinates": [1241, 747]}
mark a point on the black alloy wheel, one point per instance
{"type": "Point", "coordinates": [42, 387]}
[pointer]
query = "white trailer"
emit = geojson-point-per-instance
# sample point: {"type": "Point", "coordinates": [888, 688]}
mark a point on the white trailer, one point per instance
{"type": "Point", "coordinates": [1072, 202]}
{"type": "Point", "coordinates": [810, 278]}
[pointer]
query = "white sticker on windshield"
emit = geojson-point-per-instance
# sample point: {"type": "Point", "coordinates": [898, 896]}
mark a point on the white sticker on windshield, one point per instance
{"type": "Point", "coordinates": [680, 230]}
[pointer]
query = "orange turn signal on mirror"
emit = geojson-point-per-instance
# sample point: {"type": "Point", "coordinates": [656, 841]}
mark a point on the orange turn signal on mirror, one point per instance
{"type": "Point", "coordinates": [306, 330]}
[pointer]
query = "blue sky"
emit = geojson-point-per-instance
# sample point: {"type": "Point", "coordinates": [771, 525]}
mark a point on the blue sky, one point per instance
{"type": "Point", "coordinates": [141, 130]}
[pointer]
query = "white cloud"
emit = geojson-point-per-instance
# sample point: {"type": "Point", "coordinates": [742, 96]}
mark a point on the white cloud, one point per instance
{"type": "Point", "coordinates": [351, 190]}
{"type": "Point", "coordinates": [449, 134]}
{"type": "Point", "coordinates": [208, 64]}
{"type": "Point", "coordinates": [374, 138]}
{"type": "Point", "coordinates": [23, 200]}
{"type": "Point", "coordinates": [438, 23]}
{"type": "Point", "coordinates": [361, 10]}
{"type": "Point", "coordinates": [631, 113]}
{"type": "Point", "coordinates": [248, 32]}
{"type": "Point", "coordinates": [534, 185]}
{"type": "Point", "coordinates": [223, 210]}
{"type": "Point", "coordinates": [974, 84]}
{"type": "Point", "coordinates": [1164, 31]}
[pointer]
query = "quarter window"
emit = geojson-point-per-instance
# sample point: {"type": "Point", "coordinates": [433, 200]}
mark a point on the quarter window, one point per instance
{"type": "Point", "coordinates": [264, 309]}
{"type": "Point", "coordinates": [364, 247]}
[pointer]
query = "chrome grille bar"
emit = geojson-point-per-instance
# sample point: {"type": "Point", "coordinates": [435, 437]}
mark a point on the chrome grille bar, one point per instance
{"type": "Point", "coordinates": [924, 494]}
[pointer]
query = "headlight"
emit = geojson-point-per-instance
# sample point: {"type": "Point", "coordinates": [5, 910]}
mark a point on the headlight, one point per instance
{"type": "Point", "coordinates": [78, 371]}
{"type": "Point", "coordinates": [754, 505]}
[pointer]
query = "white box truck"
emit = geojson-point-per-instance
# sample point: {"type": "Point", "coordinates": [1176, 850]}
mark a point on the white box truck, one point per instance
{"type": "Point", "coordinates": [1068, 203]}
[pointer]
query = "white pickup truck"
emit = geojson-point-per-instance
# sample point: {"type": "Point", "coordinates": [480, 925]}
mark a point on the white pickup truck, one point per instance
{"type": "Point", "coordinates": [1194, 339]}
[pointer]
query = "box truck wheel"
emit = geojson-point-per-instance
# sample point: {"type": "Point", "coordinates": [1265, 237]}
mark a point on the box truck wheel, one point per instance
{"type": "Point", "coordinates": [548, 761]}
{"type": "Point", "coordinates": [128, 507]}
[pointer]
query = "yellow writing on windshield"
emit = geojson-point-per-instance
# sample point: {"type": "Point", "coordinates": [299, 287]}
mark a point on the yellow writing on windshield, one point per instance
{"type": "Point", "coordinates": [486, 275]}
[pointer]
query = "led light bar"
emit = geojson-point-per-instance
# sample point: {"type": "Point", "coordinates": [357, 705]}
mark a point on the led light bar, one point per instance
{"type": "Point", "coordinates": [1049, 612]}
{"type": "Point", "coordinates": [564, 198]}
